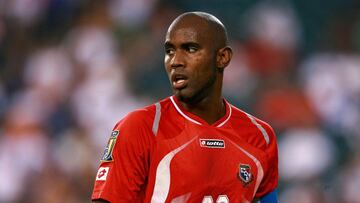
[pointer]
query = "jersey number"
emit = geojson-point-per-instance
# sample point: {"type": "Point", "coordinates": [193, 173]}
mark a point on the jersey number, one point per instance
{"type": "Point", "coordinates": [220, 199]}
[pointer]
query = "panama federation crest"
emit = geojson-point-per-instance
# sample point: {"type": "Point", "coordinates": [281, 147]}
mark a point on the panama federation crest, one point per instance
{"type": "Point", "coordinates": [245, 174]}
{"type": "Point", "coordinates": [110, 147]}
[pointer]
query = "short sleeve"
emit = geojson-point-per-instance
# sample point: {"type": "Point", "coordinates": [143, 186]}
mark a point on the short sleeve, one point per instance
{"type": "Point", "coordinates": [271, 174]}
{"type": "Point", "coordinates": [123, 170]}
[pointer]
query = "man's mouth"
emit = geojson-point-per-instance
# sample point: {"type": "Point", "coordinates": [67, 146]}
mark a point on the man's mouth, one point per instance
{"type": "Point", "coordinates": [179, 81]}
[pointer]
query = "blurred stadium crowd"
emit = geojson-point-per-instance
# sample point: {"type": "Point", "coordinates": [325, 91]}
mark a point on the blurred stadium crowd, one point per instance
{"type": "Point", "coordinates": [69, 69]}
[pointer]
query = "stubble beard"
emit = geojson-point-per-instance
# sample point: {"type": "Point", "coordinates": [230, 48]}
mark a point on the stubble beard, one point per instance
{"type": "Point", "coordinates": [197, 95]}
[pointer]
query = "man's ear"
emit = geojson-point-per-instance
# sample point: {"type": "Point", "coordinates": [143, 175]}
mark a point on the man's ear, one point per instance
{"type": "Point", "coordinates": [223, 57]}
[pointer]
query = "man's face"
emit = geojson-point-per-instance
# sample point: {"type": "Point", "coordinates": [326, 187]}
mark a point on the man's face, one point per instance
{"type": "Point", "coordinates": [190, 62]}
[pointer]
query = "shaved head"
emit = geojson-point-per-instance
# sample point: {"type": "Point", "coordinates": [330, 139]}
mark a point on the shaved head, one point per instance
{"type": "Point", "coordinates": [208, 24]}
{"type": "Point", "coordinates": [196, 54]}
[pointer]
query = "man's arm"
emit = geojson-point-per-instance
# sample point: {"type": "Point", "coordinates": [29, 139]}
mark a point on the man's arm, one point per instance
{"type": "Point", "coordinates": [270, 198]}
{"type": "Point", "coordinates": [124, 167]}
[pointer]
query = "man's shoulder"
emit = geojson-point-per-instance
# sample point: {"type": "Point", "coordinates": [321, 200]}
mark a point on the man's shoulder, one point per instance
{"type": "Point", "coordinates": [258, 132]}
{"type": "Point", "coordinates": [144, 115]}
{"type": "Point", "coordinates": [248, 118]}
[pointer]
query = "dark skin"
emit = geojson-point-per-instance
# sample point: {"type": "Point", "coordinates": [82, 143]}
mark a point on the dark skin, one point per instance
{"type": "Point", "coordinates": [196, 54]}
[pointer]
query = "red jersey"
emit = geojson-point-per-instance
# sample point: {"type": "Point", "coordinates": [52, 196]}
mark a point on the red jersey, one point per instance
{"type": "Point", "coordinates": [163, 153]}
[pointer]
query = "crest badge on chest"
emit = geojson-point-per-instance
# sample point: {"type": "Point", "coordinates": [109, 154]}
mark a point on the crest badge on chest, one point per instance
{"type": "Point", "coordinates": [245, 174]}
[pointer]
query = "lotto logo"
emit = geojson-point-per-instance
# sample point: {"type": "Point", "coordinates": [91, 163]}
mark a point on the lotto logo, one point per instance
{"type": "Point", "coordinates": [102, 173]}
{"type": "Point", "coordinates": [212, 143]}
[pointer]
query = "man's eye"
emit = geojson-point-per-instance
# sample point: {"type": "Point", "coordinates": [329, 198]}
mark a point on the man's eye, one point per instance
{"type": "Point", "coordinates": [169, 51]}
{"type": "Point", "coordinates": [192, 49]}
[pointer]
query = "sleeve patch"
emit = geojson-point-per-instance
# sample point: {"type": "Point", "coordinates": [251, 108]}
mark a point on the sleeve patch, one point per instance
{"type": "Point", "coordinates": [102, 173]}
{"type": "Point", "coordinates": [110, 147]}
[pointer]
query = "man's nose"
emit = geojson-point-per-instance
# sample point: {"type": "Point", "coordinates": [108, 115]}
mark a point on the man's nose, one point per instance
{"type": "Point", "coordinates": [177, 60]}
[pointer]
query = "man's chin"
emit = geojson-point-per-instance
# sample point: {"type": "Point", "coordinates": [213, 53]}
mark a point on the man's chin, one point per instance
{"type": "Point", "coordinates": [184, 96]}
{"type": "Point", "coordinates": [178, 94]}
{"type": "Point", "coordinates": [181, 95]}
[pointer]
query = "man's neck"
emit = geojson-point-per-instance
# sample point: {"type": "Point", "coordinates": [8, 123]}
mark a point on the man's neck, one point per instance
{"type": "Point", "coordinates": [210, 110]}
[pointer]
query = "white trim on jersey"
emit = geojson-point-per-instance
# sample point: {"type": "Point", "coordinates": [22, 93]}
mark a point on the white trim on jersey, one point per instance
{"type": "Point", "coordinates": [194, 121]}
{"type": "Point", "coordinates": [230, 111]}
{"type": "Point", "coordinates": [162, 180]}
{"type": "Point", "coordinates": [156, 122]}
{"type": "Point", "coordinates": [182, 113]}
{"type": "Point", "coordinates": [262, 130]}
{"type": "Point", "coordinates": [260, 170]}
{"type": "Point", "coordinates": [181, 198]}
{"type": "Point", "coordinates": [252, 119]}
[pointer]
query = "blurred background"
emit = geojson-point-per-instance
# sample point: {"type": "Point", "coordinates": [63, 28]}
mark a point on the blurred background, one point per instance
{"type": "Point", "coordinates": [69, 69]}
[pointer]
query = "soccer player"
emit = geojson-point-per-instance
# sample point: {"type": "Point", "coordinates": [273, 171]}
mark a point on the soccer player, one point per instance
{"type": "Point", "coordinates": [193, 146]}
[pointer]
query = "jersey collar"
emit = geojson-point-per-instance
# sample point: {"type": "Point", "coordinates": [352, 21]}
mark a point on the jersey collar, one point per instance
{"type": "Point", "coordinates": [197, 120]}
